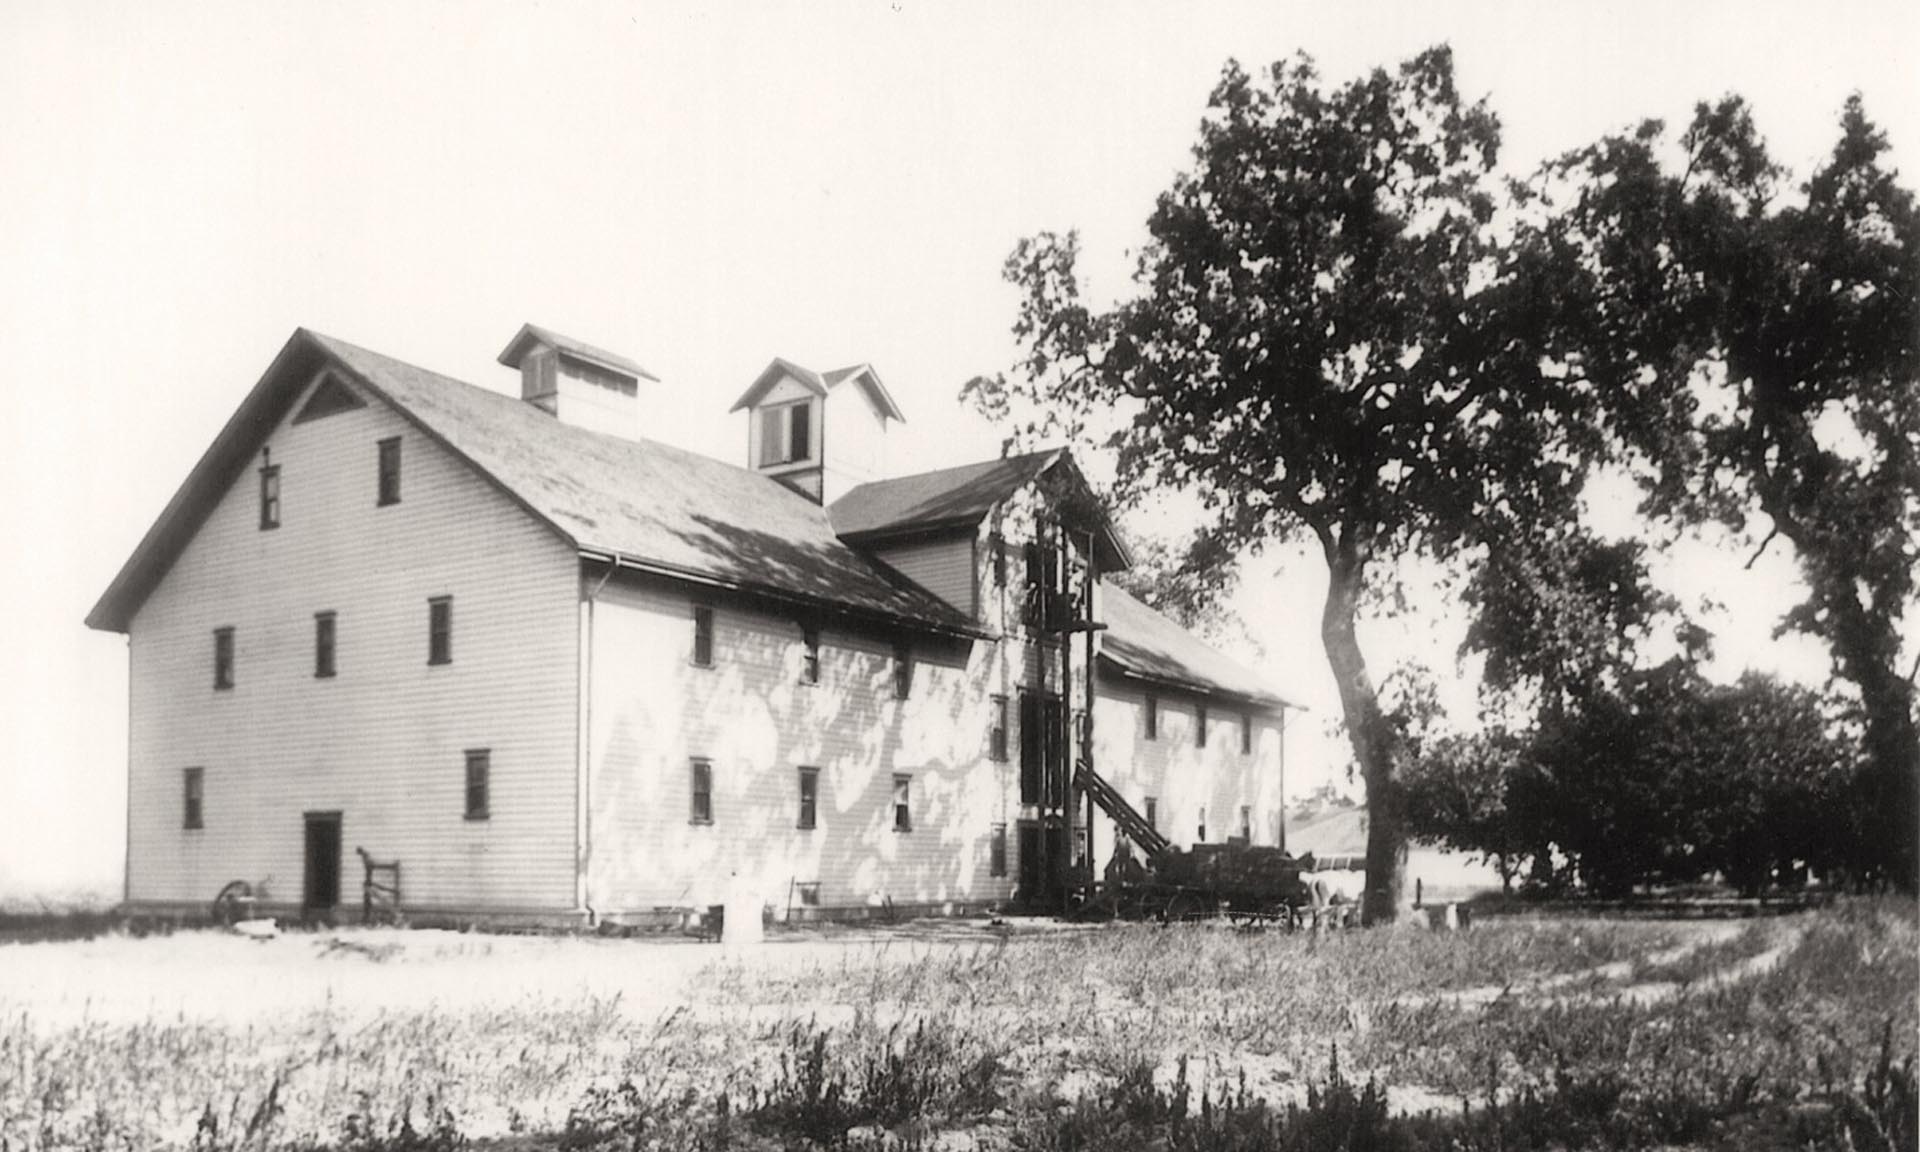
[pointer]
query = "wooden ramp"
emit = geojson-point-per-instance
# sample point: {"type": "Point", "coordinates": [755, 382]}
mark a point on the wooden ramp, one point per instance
{"type": "Point", "coordinates": [1133, 825]}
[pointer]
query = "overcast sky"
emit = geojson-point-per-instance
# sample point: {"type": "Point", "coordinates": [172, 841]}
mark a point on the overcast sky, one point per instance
{"type": "Point", "coordinates": [700, 189]}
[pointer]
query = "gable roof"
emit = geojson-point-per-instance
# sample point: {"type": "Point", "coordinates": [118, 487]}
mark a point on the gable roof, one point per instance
{"type": "Point", "coordinates": [820, 384]}
{"type": "Point", "coordinates": [1142, 643]}
{"type": "Point", "coordinates": [947, 498]}
{"type": "Point", "coordinates": [960, 498]}
{"type": "Point", "coordinates": [531, 334]}
{"type": "Point", "coordinates": [643, 504]}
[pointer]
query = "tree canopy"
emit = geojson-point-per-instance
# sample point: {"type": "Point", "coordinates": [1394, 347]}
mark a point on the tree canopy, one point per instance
{"type": "Point", "coordinates": [1757, 349]}
{"type": "Point", "coordinates": [1320, 341]}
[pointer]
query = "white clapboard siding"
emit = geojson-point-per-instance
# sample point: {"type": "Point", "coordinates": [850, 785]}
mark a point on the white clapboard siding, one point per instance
{"type": "Point", "coordinates": [653, 711]}
{"type": "Point", "coordinates": [383, 741]}
{"type": "Point", "coordinates": [943, 566]}
{"type": "Point", "coordinates": [1182, 776]}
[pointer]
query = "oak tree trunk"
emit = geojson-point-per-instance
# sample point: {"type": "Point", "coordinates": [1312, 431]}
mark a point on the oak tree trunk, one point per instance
{"type": "Point", "coordinates": [1375, 743]}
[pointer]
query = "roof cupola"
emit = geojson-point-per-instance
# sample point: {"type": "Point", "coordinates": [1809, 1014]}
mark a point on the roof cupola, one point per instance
{"type": "Point", "coordinates": [820, 433]}
{"type": "Point", "coordinates": [577, 383]}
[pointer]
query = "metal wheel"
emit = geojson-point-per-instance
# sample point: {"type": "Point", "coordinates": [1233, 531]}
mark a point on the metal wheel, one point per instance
{"type": "Point", "coordinates": [1184, 906]}
{"type": "Point", "coordinates": [233, 904]}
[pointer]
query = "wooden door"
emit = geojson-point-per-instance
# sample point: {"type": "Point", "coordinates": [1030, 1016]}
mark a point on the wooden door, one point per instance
{"type": "Point", "coordinates": [322, 888]}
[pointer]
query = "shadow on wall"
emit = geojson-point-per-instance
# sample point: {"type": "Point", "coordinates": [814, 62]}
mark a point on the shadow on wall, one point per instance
{"type": "Point", "coordinates": [760, 724]}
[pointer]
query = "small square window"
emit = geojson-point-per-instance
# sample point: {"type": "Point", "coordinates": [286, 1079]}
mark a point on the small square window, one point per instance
{"type": "Point", "coordinates": [222, 659]}
{"type": "Point", "coordinates": [1153, 716]}
{"type": "Point", "coordinates": [1153, 812]}
{"type": "Point", "coordinates": [702, 809]}
{"type": "Point", "coordinates": [903, 803]}
{"type": "Point", "coordinates": [1200, 725]}
{"type": "Point", "coordinates": [997, 851]}
{"type": "Point", "coordinates": [809, 894]}
{"type": "Point", "coordinates": [902, 671]}
{"type": "Point", "coordinates": [440, 630]}
{"type": "Point", "coordinates": [389, 486]}
{"type": "Point", "coordinates": [703, 636]}
{"type": "Point", "coordinates": [192, 815]}
{"type": "Point", "coordinates": [479, 783]}
{"type": "Point", "coordinates": [269, 496]}
{"type": "Point", "coordinates": [810, 655]}
{"type": "Point", "coordinates": [323, 637]}
{"type": "Point", "coordinates": [997, 734]}
{"type": "Point", "coordinates": [809, 797]}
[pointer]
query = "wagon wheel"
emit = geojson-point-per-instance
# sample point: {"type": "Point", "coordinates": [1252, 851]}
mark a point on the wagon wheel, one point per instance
{"type": "Point", "coordinates": [233, 903]}
{"type": "Point", "coordinates": [1184, 906]}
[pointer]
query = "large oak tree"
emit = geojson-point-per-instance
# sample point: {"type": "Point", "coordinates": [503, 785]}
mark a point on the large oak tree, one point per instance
{"type": "Point", "coordinates": [1322, 339]}
{"type": "Point", "coordinates": [1757, 344]}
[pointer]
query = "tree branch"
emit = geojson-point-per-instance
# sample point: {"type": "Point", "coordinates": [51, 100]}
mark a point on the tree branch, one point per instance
{"type": "Point", "coordinates": [1757, 552]}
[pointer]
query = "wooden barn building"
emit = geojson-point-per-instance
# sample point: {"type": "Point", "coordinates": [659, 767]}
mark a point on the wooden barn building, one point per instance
{"type": "Point", "coordinates": [561, 672]}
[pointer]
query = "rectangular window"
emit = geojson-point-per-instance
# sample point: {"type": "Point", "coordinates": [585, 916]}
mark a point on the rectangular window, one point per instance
{"type": "Point", "coordinates": [810, 658]}
{"type": "Point", "coordinates": [269, 497]}
{"type": "Point", "coordinates": [1031, 749]}
{"type": "Point", "coordinates": [702, 808]}
{"type": "Point", "coordinates": [479, 772]}
{"type": "Point", "coordinates": [192, 814]}
{"type": "Point", "coordinates": [1153, 812]}
{"type": "Point", "coordinates": [323, 629]}
{"type": "Point", "coordinates": [902, 671]}
{"type": "Point", "coordinates": [1246, 823]}
{"type": "Point", "coordinates": [809, 894]}
{"type": "Point", "coordinates": [389, 471]}
{"type": "Point", "coordinates": [1200, 725]}
{"type": "Point", "coordinates": [1200, 836]}
{"type": "Point", "coordinates": [1153, 717]}
{"type": "Point", "coordinates": [809, 797]}
{"type": "Point", "coordinates": [999, 560]}
{"type": "Point", "coordinates": [1246, 732]}
{"type": "Point", "coordinates": [997, 734]}
{"type": "Point", "coordinates": [222, 658]}
{"type": "Point", "coordinates": [786, 434]}
{"type": "Point", "coordinates": [440, 630]}
{"type": "Point", "coordinates": [703, 635]}
{"type": "Point", "coordinates": [997, 851]}
{"type": "Point", "coordinates": [903, 803]}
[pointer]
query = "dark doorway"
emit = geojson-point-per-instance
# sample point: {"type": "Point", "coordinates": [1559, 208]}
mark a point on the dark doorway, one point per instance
{"type": "Point", "coordinates": [322, 892]}
{"type": "Point", "coordinates": [1032, 864]}
{"type": "Point", "coordinates": [1030, 746]}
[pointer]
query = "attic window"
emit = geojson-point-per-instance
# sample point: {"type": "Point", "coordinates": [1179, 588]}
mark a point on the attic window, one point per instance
{"type": "Point", "coordinates": [786, 434]}
{"type": "Point", "coordinates": [389, 474]}
{"type": "Point", "coordinates": [269, 496]}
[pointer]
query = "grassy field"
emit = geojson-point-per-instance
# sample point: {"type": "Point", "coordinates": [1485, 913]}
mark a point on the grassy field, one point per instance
{"type": "Point", "coordinates": [1787, 1032]}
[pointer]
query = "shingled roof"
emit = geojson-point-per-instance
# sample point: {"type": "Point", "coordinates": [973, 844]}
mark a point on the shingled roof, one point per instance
{"type": "Point", "coordinates": [663, 509]}
{"type": "Point", "coordinates": [952, 499]}
{"type": "Point", "coordinates": [949, 497]}
{"type": "Point", "coordinates": [1141, 642]}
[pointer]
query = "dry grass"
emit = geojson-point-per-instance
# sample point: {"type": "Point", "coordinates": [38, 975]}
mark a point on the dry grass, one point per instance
{"type": "Point", "coordinates": [387, 1039]}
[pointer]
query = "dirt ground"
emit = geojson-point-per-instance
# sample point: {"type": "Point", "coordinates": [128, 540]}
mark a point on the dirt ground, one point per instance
{"type": "Point", "coordinates": [217, 975]}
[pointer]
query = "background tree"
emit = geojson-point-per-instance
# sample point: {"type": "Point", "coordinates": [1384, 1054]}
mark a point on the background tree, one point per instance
{"type": "Point", "coordinates": [1320, 342]}
{"type": "Point", "coordinates": [1760, 353]}
{"type": "Point", "coordinates": [1188, 583]}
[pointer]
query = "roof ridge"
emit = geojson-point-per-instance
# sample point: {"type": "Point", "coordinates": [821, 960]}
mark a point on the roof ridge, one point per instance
{"type": "Point", "coordinates": [963, 467]}
{"type": "Point", "coordinates": [568, 429]}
